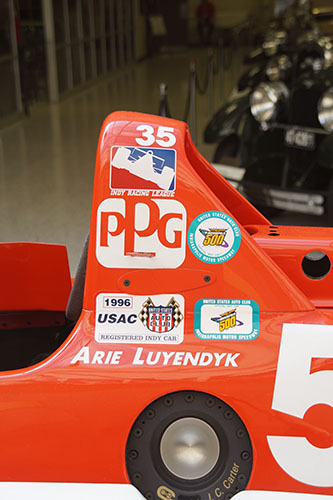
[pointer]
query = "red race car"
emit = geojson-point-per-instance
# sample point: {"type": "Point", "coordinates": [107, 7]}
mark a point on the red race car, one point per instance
{"type": "Point", "coordinates": [193, 356]}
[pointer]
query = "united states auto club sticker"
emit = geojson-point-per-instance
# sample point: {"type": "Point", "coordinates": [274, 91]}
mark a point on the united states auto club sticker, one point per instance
{"type": "Point", "coordinates": [135, 319]}
{"type": "Point", "coordinates": [214, 237]}
{"type": "Point", "coordinates": [226, 319]}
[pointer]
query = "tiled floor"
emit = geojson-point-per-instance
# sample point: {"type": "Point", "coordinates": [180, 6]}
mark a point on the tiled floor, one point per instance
{"type": "Point", "coordinates": [47, 160]}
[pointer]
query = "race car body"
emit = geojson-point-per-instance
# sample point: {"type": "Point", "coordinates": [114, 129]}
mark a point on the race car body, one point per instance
{"type": "Point", "coordinates": [200, 363]}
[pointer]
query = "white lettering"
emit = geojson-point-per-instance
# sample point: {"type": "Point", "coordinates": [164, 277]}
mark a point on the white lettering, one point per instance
{"type": "Point", "coordinates": [231, 359]}
{"type": "Point", "coordinates": [167, 356]}
{"type": "Point", "coordinates": [192, 359]}
{"type": "Point", "coordinates": [137, 360]}
{"type": "Point", "coordinates": [116, 357]}
{"type": "Point", "coordinates": [108, 357]}
{"type": "Point", "coordinates": [205, 359]}
{"type": "Point", "coordinates": [178, 358]}
{"type": "Point", "coordinates": [219, 357]}
{"type": "Point", "coordinates": [150, 360]}
{"type": "Point", "coordinates": [98, 358]}
{"type": "Point", "coordinates": [82, 355]}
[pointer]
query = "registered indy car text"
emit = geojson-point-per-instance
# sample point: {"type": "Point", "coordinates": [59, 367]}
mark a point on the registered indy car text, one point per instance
{"type": "Point", "coordinates": [145, 357]}
{"type": "Point", "coordinates": [127, 319]}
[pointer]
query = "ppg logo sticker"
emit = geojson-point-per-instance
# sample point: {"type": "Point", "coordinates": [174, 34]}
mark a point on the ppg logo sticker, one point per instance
{"type": "Point", "coordinates": [226, 319]}
{"type": "Point", "coordinates": [142, 168]}
{"type": "Point", "coordinates": [141, 234]}
{"type": "Point", "coordinates": [214, 237]}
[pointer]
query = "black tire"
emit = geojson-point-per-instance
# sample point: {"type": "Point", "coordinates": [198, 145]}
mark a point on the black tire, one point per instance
{"type": "Point", "coordinates": [227, 148]}
{"type": "Point", "coordinates": [149, 447]}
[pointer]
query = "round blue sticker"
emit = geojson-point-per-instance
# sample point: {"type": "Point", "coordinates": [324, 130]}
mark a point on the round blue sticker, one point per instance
{"type": "Point", "coordinates": [214, 237]}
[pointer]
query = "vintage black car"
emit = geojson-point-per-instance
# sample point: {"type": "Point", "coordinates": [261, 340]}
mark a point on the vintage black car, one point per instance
{"type": "Point", "coordinates": [230, 126]}
{"type": "Point", "coordinates": [289, 162]}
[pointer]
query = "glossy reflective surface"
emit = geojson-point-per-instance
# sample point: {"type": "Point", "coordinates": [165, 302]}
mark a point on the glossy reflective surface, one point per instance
{"type": "Point", "coordinates": [68, 417]}
{"type": "Point", "coordinates": [47, 160]}
{"type": "Point", "coordinates": [190, 448]}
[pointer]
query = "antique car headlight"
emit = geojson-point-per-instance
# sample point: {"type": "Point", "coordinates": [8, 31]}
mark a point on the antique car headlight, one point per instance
{"type": "Point", "coordinates": [326, 43]}
{"type": "Point", "coordinates": [270, 46]}
{"type": "Point", "coordinates": [273, 70]}
{"type": "Point", "coordinates": [328, 54]}
{"type": "Point", "coordinates": [325, 110]}
{"type": "Point", "coordinates": [277, 68]}
{"type": "Point", "coordinates": [265, 98]}
{"type": "Point", "coordinates": [316, 63]}
{"type": "Point", "coordinates": [272, 42]}
{"type": "Point", "coordinates": [281, 36]}
{"type": "Point", "coordinates": [324, 40]}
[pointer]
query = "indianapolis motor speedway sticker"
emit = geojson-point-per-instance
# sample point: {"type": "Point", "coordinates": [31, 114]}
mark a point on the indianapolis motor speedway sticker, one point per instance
{"type": "Point", "coordinates": [226, 319]}
{"type": "Point", "coordinates": [135, 319]}
{"type": "Point", "coordinates": [214, 237]}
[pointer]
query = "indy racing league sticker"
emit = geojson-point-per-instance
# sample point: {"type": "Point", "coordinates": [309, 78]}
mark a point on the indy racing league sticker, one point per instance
{"type": "Point", "coordinates": [214, 237]}
{"type": "Point", "coordinates": [142, 168]}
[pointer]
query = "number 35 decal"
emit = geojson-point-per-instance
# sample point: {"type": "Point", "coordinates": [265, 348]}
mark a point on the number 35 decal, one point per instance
{"type": "Point", "coordinates": [296, 390]}
{"type": "Point", "coordinates": [164, 136]}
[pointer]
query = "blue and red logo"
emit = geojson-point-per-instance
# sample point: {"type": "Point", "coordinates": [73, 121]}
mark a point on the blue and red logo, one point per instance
{"type": "Point", "coordinates": [142, 168]}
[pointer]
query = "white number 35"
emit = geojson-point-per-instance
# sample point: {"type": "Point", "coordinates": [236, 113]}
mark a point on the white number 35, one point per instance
{"type": "Point", "coordinates": [296, 390]}
{"type": "Point", "coordinates": [165, 136]}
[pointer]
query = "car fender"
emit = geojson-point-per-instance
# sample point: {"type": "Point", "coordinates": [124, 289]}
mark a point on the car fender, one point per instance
{"type": "Point", "coordinates": [226, 120]}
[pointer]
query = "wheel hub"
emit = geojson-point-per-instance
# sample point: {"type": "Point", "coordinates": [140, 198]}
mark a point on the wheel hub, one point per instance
{"type": "Point", "coordinates": [185, 444]}
{"type": "Point", "coordinates": [189, 448]}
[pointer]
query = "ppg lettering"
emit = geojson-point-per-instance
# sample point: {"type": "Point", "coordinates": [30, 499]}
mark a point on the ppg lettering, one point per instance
{"type": "Point", "coordinates": [129, 230]}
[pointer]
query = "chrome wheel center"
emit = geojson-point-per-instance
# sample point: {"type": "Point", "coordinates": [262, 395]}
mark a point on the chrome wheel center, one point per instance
{"type": "Point", "coordinates": [189, 448]}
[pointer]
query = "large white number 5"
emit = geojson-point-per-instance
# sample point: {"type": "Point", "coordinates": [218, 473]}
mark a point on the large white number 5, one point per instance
{"type": "Point", "coordinates": [165, 136]}
{"type": "Point", "coordinates": [296, 390]}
